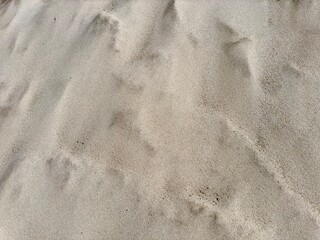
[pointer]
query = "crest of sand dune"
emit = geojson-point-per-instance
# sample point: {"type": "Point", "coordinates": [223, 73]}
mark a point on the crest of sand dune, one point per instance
{"type": "Point", "coordinates": [159, 119]}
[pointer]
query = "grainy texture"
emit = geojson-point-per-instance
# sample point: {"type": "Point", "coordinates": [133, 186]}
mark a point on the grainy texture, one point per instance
{"type": "Point", "coordinates": [159, 119]}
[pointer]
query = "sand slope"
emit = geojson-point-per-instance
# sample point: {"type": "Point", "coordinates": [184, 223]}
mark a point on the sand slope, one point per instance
{"type": "Point", "coordinates": [159, 119]}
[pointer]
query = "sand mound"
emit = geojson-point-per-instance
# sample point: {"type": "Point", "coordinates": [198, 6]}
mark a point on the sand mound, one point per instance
{"type": "Point", "coordinates": [150, 119]}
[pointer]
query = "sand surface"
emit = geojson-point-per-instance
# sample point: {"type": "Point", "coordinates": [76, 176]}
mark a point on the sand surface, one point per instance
{"type": "Point", "coordinates": [159, 119]}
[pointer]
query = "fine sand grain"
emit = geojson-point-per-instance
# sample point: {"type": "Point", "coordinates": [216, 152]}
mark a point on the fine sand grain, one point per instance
{"type": "Point", "coordinates": [159, 119]}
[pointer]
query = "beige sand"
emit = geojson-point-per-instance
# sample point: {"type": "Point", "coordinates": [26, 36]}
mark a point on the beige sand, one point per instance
{"type": "Point", "coordinates": [159, 119]}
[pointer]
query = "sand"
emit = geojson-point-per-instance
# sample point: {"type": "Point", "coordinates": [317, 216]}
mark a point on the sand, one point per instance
{"type": "Point", "coordinates": [159, 119]}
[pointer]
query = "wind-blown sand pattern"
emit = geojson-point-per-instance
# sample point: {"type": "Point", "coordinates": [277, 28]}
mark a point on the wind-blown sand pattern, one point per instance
{"type": "Point", "coordinates": [159, 119]}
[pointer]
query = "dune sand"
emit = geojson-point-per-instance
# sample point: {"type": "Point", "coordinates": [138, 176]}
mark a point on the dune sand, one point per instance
{"type": "Point", "coordinates": [159, 119]}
